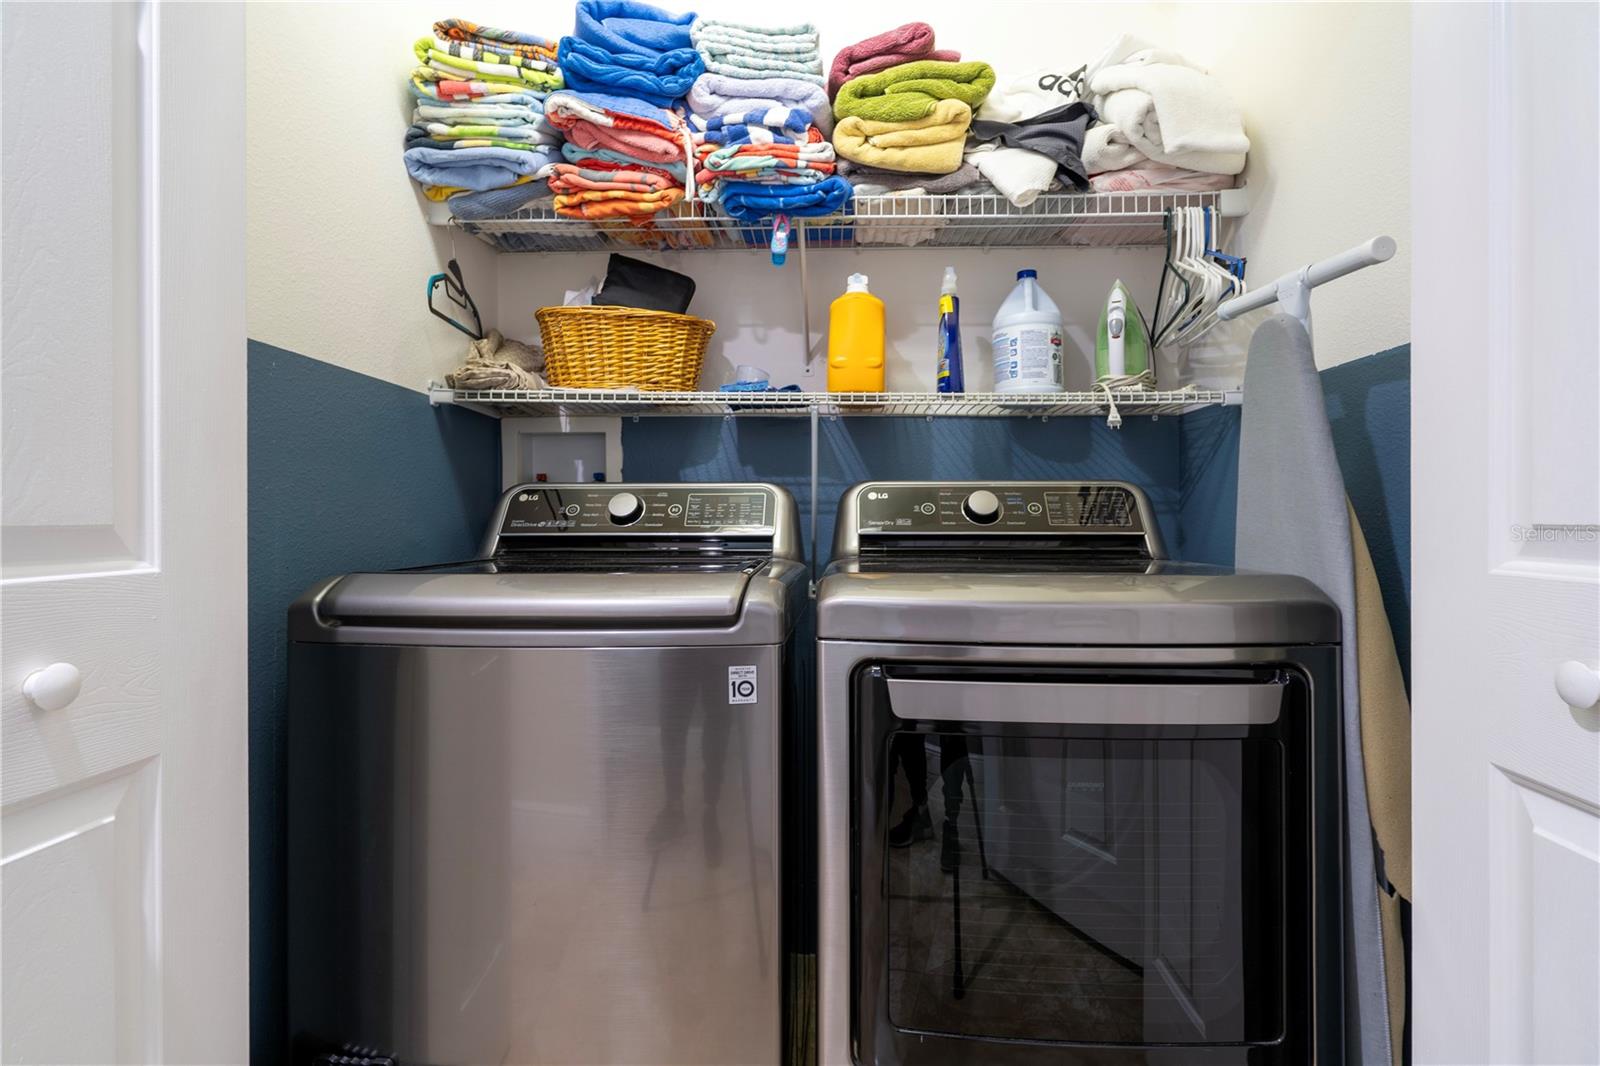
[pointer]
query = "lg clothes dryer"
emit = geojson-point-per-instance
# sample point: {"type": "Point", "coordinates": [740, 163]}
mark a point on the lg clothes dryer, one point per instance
{"type": "Point", "coordinates": [535, 806]}
{"type": "Point", "coordinates": [1079, 804]}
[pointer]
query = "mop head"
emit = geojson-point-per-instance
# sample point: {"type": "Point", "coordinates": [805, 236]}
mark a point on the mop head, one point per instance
{"type": "Point", "coordinates": [1121, 321]}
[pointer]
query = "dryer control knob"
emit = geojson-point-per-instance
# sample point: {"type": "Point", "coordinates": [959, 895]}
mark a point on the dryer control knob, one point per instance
{"type": "Point", "coordinates": [982, 507]}
{"type": "Point", "coordinates": [625, 509]}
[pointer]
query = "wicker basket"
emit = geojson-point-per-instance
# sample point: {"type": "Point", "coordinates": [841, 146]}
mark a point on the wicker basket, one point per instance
{"type": "Point", "coordinates": [622, 348]}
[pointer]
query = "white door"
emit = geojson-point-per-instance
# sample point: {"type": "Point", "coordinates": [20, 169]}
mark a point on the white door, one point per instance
{"type": "Point", "coordinates": [1506, 501]}
{"type": "Point", "coordinates": [122, 810]}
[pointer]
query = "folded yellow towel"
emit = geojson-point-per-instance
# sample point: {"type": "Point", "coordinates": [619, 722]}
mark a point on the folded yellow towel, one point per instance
{"type": "Point", "coordinates": [928, 145]}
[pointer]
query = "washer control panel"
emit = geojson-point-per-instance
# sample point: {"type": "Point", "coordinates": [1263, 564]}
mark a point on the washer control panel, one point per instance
{"type": "Point", "coordinates": [681, 510]}
{"type": "Point", "coordinates": [1036, 508]}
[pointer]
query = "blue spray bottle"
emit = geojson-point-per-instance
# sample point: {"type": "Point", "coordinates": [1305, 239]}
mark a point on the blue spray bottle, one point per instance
{"type": "Point", "coordinates": [950, 376]}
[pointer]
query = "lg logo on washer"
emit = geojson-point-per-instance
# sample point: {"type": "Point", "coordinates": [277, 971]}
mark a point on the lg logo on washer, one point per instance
{"type": "Point", "coordinates": [741, 684]}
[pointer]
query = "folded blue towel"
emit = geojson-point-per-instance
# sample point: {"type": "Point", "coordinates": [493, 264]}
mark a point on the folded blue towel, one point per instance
{"type": "Point", "coordinates": [497, 203]}
{"type": "Point", "coordinates": [626, 27]}
{"type": "Point", "coordinates": [477, 169]}
{"type": "Point", "coordinates": [750, 202]}
{"type": "Point", "coordinates": [660, 79]}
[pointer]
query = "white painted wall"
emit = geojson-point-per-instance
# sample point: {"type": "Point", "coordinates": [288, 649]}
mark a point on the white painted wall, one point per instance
{"type": "Point", "coordinates": [338, 254]}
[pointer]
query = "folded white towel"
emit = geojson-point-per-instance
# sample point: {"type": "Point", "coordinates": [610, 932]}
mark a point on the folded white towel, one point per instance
{"type": "Point", "coordinates": [1156, 106]}
{"type": "Point", "coordinates": [1016, 173]}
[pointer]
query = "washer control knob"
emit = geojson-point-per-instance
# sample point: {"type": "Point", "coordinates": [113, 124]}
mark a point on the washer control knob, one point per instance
{"type": "Point", "coordinates": [625, 509]}
{"type": "Point", "coordinates": [982, 507]}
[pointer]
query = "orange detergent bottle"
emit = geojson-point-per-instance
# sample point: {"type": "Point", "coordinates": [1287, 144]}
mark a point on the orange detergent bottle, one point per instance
{"type": "Point", "coordinates": [855, 340]}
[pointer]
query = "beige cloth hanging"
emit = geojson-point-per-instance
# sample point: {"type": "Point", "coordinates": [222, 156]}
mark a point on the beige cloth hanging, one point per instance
{"type": "Point", "coordinates": [1386, 752]}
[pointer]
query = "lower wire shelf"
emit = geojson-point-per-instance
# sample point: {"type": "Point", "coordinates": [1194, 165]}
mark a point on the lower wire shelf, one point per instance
{"type": "Point", "coordinates": [575, 402]}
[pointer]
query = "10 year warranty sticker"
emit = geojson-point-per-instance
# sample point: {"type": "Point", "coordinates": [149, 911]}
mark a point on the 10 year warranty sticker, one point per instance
{"type": "Point", "coordinates": [741, 684]}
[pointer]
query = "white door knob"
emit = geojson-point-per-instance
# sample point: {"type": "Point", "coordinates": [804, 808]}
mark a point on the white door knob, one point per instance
{"type": "Point", "coordinates": [1578, 684]}
{"type": "Point", "coordinates": [53, 687]}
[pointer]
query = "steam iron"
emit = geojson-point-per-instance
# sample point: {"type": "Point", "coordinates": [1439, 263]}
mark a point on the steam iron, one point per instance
{"type": "Point", "coordinates": [1122, 345]}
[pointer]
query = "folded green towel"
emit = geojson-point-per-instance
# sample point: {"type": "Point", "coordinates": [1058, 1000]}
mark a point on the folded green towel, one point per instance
{"type": "Point", "coordinates": [909, 91]}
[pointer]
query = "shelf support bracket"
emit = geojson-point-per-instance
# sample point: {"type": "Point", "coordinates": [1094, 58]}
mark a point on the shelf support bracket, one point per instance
{"type": "Point", "coordinates": [814, 416]}
{"type": "Point", "coordinates": [805, 293]}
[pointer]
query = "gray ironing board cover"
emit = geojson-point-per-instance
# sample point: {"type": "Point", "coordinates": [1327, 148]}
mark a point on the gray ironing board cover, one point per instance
{"type": "Point", "coordinates": [1293, 519]}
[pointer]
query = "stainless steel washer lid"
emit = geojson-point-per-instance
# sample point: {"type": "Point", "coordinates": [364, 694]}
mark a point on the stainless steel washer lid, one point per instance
{"type": "Point", "coordinates": [1170, 603]}
{"type": "Point", "coordinates": [650, 606]}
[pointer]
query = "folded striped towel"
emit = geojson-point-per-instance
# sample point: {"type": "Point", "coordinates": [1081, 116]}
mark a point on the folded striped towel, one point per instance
{"type": "Point", "coordinates": [773, 125]}
{"type": "Point", "coordinates": [716, 95]}
{"type": "Point", "coordinates": [910, 91]}
{"type": "Point", "coordinates": [510, 42]}
{"type": "Point", "coordinates": [511, 69]}
{"type": "Point", "coordinates": [741, 51]}
{"type": "Point", "coordinates": [426, 84]}
{"type": "Point", "coordinates": [800, 41]}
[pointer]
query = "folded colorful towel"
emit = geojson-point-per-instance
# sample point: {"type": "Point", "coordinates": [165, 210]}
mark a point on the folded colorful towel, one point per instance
{"type": "Point", "coordinates": [863, 176]}
{"type": "Point", "coordinates": [750, 202]}
{"type": "Point", "coordinates": [484, 53]}
{"type": "Point", "coordinates": [779, 161]}
{"type": "Point", "coordinates": [568, 178]}
{"type": "Point", "coordinates": [909, 91]}
{"type": "Point", "coordinates": [595, 120]}
{"type": "Point", "coordinates": [609, 159]}
{"type": "Point", "coordinates": [477, 114]}
{"type": "Point", "coordinates": [421, 136]}
{"type": "Point", "coordinates": [717, 95]}
{"type": "Point", "coordinates": [522, 133]}
{"type": "Point", "coordinates": [460, 68]}
{"type": "Point", "coordinates": [773, 125]}
{"type": "Point", "coordinates": [615, 204]}
{"type": "Point", "coordinates": [903, 44]}
{"type": "Point", "coordinates": [657, 79]}
{"type": "Point", "coordinates": [475, 169]}
{"type": "Point", "coordinates": [928, 145]}
{"type": "Point", "coordinates": [743, 51]}
{"type": "Point", "coordinates": [426, 85]}
{"type": "Point", "coordinates": [608, 109]}
{"type": "Point", "coordinates": [526, 44]}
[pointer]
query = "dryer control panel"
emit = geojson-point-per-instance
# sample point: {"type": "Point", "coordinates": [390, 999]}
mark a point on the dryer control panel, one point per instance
{"type": "Point", "coordinates": [1027, 508]}
{"type": "Point", "coordinates": [992, 512]}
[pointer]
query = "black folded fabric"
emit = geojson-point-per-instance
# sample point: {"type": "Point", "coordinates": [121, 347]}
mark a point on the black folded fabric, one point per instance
{"type": "Point", "coordinates": [634, 283]}
{"type": "Point", "coordinates": [1057, 133]}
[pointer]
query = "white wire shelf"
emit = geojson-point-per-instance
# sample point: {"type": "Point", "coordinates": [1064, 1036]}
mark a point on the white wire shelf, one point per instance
{"type": "Point", "coordinates": [574, 402]}
{"type": "Point", "coordinates": [1084, 220]}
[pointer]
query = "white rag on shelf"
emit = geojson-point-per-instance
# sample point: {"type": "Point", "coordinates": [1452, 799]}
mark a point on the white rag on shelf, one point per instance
{"type": "Point", "coordinates": [1156, 106]}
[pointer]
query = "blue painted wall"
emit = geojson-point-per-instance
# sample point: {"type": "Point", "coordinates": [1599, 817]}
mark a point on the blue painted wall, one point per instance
{"type": "Point", "coordinates": [1369, 407]}
{"type": "Point", "coordinates": [346, 473]}
{"type": "Point", "coordinates": [1144, 451]}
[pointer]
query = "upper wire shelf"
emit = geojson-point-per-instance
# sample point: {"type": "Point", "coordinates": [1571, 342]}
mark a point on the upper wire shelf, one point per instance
{"type": "Point", "coordinates": [1083, 220]}
{"type": "Point", "coordinates": [575, 402]}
